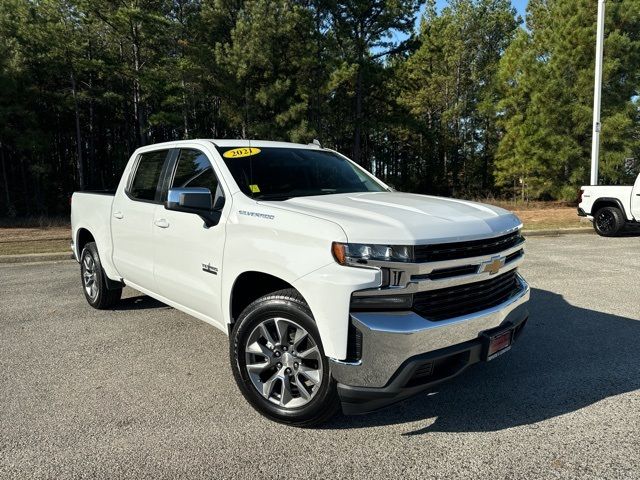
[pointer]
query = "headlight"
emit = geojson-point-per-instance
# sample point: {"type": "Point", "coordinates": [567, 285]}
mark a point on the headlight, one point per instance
{"type": "Point", "coordinates": [360, 253]}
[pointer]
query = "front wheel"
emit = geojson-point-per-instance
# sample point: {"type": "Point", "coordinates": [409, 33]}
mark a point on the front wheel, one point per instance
{"type": "Point", "coordinates": [608, 221]}
{"type": "Point", "coordinates": [278, 361]}
{"type": "Point", "coordinates": [94, 280]}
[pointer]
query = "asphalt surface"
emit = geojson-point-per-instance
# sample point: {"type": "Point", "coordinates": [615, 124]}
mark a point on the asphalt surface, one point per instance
{"type": "Point", "coordinates": [145, 391]}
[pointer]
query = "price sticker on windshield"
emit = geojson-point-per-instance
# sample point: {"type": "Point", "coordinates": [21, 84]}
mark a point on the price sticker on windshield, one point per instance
{"type": "Point", "coordinates": [241, 152]}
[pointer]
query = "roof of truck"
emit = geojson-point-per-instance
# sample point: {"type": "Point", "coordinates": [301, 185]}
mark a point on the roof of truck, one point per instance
{"type": "Point", "coordinates": [260, 143]}
{"type": "Point", "coordinates": [238, 142]}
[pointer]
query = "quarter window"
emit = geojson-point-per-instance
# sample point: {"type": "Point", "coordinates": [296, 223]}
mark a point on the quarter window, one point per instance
{"type": "Point", "coordinates": [145, 181]}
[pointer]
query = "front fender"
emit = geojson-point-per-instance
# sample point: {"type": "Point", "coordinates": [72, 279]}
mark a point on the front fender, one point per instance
{"type": "Point", "coordinates": [328, 292]}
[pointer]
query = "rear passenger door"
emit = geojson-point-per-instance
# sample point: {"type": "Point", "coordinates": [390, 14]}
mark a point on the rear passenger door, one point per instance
{"type": "Point", "coordinates": [188, 256]}
{"type": "Point", "coordinates": [132, 219]}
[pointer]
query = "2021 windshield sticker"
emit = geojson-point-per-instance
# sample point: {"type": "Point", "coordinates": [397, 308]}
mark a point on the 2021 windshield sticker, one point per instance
{"type": "Point", "coordinates": [241, 152]}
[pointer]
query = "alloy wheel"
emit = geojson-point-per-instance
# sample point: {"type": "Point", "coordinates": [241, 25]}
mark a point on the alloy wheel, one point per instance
{"type": "Point", "coordinates": [90, 277]}
{"type": "Point", "coordinates": [605, 221]}
{"type": "Point", "coordinates": [283, 362]}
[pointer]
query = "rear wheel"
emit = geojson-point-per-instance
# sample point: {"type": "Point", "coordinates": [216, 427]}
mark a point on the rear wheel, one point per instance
{"type": "Point", "coordinates": [278, 361]}
{"type": "Point", "coordinates": [608, 221]}
{"type": "Point", "coordinates": [94, 280]}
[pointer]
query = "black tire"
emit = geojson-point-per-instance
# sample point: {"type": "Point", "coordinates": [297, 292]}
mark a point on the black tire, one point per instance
{"type": "Point", "coordinates": [608, 221]}
{"type": "Point", "coordinates": [90, 266]}
{"type": "Point", "coordinates": [288, 305]}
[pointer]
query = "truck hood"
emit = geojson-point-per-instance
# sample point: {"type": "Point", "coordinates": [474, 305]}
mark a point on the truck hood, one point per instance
{"type": "Point", "coordinates": [404, 218]}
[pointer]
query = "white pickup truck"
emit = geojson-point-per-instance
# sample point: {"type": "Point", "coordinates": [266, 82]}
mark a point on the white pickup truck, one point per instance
{"type": "Point", "coordinates": [334, 289]}
{"type": "Point", "coordinates": [610, 208]}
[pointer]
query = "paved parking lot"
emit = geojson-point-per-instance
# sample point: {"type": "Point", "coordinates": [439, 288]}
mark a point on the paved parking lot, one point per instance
{"type": "Point", "coordinates": [146, 391]}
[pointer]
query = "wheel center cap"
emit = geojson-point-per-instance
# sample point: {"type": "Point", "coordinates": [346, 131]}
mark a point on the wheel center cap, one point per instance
{"type": "Point", "coordinates": [287, 360]}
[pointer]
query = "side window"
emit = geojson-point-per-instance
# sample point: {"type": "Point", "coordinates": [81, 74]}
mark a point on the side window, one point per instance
{"type": "Point", "coordinates": [194, 170]}
{"type": "Point", "coordinates": [145, 182]}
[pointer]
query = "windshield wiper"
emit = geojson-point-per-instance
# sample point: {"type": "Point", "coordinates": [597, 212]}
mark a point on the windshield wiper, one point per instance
{"type": "Point", "coordinates": [272, 196]}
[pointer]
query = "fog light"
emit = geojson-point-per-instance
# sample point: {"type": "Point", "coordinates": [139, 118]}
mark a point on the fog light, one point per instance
{"type": "Point", "coordinates": [382, 302]}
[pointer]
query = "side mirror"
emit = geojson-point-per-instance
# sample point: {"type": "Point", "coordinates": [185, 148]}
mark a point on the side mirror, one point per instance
{"type": "Point", "coordinates": [195, 200]}
{"type": "Point", "coordinates": [189, 199]}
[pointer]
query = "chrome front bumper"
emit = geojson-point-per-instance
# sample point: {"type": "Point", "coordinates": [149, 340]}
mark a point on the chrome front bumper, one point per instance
{"type": "Point", "coordinates": [391, 338]}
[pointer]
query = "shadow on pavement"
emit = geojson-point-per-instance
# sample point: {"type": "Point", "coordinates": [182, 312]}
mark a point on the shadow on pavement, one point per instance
{"type": "Point", "coordinates": [139, 302]}
{"type": "Point", "coordinates": [567, 358]}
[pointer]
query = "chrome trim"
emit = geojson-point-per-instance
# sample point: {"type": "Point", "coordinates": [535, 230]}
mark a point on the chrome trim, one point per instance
{"type": "Point", "coordinates": [174, 195]}
{"type": "Point", "coordinates": [410, 270]}
{"type": "Point", "coordinates": [391, 338]}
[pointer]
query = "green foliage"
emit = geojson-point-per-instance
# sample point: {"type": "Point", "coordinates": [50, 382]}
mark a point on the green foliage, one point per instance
{"type": "Point", "coordinates": [546, 81]}
{"type": "Point", "coordinates": [468, 103]}
{"type": "Point", "coordinates": [448, 87]}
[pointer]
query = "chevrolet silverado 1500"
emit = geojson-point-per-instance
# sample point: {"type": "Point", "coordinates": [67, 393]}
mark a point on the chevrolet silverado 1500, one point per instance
{"type": "Point", "coordinates": [335, 290]}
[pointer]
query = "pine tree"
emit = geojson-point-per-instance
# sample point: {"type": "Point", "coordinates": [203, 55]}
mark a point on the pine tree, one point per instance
{"type": "Point", "coordinates": [547, 82]}
{"type": "Point", "coordinates": [449, 87]}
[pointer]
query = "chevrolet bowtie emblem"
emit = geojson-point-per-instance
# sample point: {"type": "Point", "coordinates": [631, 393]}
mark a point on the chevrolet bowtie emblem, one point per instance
{"type": "Point", "coordinates": [493, 266]}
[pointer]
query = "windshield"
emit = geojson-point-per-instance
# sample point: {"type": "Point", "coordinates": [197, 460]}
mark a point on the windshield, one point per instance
{"type": "Point", "coordinates": [280, 173]}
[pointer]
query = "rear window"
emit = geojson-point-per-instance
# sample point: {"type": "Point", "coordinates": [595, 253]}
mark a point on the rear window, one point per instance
{"type": "Point", "coordinates": [147, 176]}
{"type": "Point", "coordinates": [282, 173]}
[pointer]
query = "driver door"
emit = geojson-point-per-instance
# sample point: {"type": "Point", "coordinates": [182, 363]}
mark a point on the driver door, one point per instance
{"type": "Point", "coordinates": [188, 256]}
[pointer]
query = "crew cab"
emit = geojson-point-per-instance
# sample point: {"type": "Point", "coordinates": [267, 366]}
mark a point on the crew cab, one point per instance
{"type": "Point", "coordinates": [335, 290]}
{"type": "Point", "coordinates": [610, 208]}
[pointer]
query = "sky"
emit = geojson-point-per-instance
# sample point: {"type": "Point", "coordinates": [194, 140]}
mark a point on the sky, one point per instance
{"type": "Point", "coordinates": [520, 5]}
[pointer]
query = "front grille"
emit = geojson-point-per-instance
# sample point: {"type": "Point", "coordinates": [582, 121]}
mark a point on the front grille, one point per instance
{"type": "Point", "coordinates": [460, 300]}
{"type": "Point", "coordinates": [475, 248]}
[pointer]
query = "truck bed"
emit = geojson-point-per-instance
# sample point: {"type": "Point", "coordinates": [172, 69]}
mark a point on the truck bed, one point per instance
{"type": "Point", "coordinates": [94, 208]}
{"type": "Point", "coordinates": [111, 193]}
{"type": "Point", "coordinates": [593, 193]}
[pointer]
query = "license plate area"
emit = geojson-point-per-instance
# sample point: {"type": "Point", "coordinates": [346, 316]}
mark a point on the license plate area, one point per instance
{"type": "Point", "coordinates": [497, 342]}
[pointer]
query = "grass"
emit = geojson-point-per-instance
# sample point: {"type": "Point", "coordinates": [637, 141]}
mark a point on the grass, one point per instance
{"type": "Point", "coordinates": [543, 215]}
{"type": "Point", "coordinates": [39, 246]}
{"type": "Point", "coordinates": [20, 240]}
{"type": "Point", "coordinates": [47, 235]}
{"type": "Point", "coordinates": [552, 218]}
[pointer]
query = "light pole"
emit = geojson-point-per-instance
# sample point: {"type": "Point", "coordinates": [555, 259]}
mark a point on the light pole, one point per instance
{"type": "Point", "coordinates": [597, 95]}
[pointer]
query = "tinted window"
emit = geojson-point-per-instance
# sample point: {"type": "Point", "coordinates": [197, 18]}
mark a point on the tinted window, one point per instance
{"type": "Point", "coordinates": [145, 182]}
{"type": "Point", "coordinates": [194, 170]}
{"type": "Point", "coordinates": [281, 173]}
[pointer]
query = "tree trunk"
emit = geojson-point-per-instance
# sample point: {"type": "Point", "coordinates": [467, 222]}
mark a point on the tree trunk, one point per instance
{"type": "Point", "coordinates": [25, 189]}
{"type": "Point", "coordinates": [91, 159]}
{"type": "Point", "coordinates": [137, 110]}
{"type": "Point", "coordinates": [185, 110]}
{"type": "Point", "coordinates": [318, 73]}
{"type": "Point", "coordinates": [80, 166]}
{"type": "Point", "coordinates": [5, 181]}
{"type": "Point", "coordinates": [357, 133]}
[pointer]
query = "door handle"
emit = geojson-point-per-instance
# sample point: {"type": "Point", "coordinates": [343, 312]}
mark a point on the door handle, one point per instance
{"type": "Point", "coordinates": [118, 215]}
{"type": "Point", "coordinates": [162, 223]}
